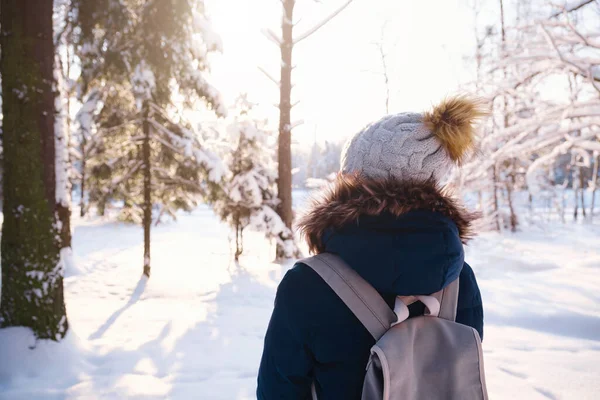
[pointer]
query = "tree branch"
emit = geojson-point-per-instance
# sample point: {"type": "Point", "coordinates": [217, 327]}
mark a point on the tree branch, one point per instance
{"type": "Point", "coordinates": [271, 78]}
{"type": "Point", "coordinates": [574, 7]}
{"type": "Point", "coordinates": [322, 23]}
{"type": "Point", "coordinates": [272, 36]}
{"type": "Point", "coordinates": [558, 52]}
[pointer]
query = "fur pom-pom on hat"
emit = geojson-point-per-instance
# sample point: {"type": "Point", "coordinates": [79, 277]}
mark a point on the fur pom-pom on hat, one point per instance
{"type": "Point", "coordinates": [452, 122]}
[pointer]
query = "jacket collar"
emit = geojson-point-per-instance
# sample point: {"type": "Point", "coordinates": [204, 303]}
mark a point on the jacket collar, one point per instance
{"type": "Point", "coordinates": [352, 196]}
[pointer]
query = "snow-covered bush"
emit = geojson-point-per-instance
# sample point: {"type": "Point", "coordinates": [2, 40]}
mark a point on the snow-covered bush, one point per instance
{"type": "Point", "coordinates": [248, 198]}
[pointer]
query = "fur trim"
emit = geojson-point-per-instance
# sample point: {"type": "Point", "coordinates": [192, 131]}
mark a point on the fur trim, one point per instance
{"type": "Point", "coordinates": [452, 123]}
{"type": "Point", "coordinates": [352, 196]}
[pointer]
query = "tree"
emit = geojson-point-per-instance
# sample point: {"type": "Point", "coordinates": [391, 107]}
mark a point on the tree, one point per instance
{"type": "Point", "coordinates": [385, 69]}
{"type": "Point", "coordinates": [286, 44]}
{"type": "Point", "coordinates": [86, 143]}
{"type": "Point", "coordinates": [248, 198]}
{"type": "Point", "coordinates": [64, 88]}
{"type": "Point", "coordinates": [146, 153]}
{"type": "Point", "coordinates": [324, 162]}
{"type": "Point", "coordinates": [32, 269]}
{"type": "Point", "coordinates": [531, 132]}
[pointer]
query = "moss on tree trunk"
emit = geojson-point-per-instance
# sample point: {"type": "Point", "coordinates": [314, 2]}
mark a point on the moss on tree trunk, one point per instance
{"type": "Point", "coordinates": [32, 282]}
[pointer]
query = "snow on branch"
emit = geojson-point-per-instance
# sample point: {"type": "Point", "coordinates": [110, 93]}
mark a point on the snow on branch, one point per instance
{"type": "Point", "coordinates": [190, 147]}
{"type": "Point", "coordinates": [560, 55]}
{"type": "Point", "coordinates": [211, 39]}
{"type": "Point", "coordinates": [322, 23]}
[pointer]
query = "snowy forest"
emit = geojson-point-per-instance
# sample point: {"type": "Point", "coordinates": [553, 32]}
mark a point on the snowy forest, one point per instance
{"type": "Point", "coordinates": [152, 179]}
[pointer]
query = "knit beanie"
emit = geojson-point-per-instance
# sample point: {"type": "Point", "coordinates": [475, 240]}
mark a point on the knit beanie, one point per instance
{"type": "Point", "coordinates": [413, 146]}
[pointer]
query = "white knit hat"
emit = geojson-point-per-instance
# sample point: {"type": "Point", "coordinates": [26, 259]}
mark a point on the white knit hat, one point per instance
{"type": "Point", "coordinates": [412, 146]}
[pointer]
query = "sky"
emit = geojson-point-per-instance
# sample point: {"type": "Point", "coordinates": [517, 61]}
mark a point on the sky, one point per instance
{"type": "Point", "coordinates": [338, 78]}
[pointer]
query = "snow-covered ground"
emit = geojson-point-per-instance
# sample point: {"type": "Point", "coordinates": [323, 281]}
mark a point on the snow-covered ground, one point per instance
{"type": "Point", "coordinates": [195, 328]}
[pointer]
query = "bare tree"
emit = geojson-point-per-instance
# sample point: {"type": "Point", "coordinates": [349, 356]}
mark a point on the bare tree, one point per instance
{"type": "Point", "coordinates": [384, 67]}
{"type": "Point", "coordinates": [286, 44]}
{"type": "Point", "coordinates": [531, 132]}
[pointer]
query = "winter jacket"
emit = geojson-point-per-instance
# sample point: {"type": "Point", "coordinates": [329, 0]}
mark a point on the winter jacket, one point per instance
{"type": "Point", "coordinates": [404, 239]}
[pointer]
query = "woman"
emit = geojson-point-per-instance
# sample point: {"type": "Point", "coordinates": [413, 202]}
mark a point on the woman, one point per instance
{"type": "Point", "coordinates": [388, 218]}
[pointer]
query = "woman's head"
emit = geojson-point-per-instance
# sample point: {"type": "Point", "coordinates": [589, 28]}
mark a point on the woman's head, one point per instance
{"type": "Point", "coordinates": [413, 146]}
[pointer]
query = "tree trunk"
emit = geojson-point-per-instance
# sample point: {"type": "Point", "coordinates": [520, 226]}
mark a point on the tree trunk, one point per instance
{"type": "Point", "coordinates": [82, 150]}
{"type": "Point", "coordinates": [582, 190]}
{"type": "Point", "coordinates": [576, 209]}
{"type": "Point", "coordinates": [238, 238]}
{"type": "Point", "coordinates": [64, 216]}
{"type": "Point", "coordinates": [576, 193]}
{"type": "Point", "coordinates": [495, 202]}
{"type": "Point", "coordinates": [63, 206]}
{"type": "Point", "coordinates": [62, 166]}
{"type": "Point", "coordinates": [514, 222]}
{"type": "Point", "coordinates": [513, 215]}
{"type": "Point", "coordinates": [594, 185]}
{"type": "Point", "coordinates": [32, 281]}
{"type": "Point", "coordinates": [82, 199]}
{"type": "Point", "coordinates": [284, 181]}
{"type": "Point", "coordinates": [147, 219]}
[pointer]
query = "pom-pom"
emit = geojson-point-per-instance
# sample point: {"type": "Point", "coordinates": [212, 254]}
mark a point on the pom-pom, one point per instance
{"type": "Point", "coordinates": [452, 122]}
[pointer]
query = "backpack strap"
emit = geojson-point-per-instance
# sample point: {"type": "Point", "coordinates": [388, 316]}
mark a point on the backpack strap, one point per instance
{"type": "Point", "coordinates": [358, 295]}
{"type": "Point", "coordinates": [448, 298]}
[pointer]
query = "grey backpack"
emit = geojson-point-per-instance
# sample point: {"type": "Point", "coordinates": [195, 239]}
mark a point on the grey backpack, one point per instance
{"type": "Point", "coordinates": [422, 358]}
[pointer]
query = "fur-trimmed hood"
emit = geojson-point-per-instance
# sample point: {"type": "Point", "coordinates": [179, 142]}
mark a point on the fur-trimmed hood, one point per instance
{"type": "Point", "coordinates": [351, 197]}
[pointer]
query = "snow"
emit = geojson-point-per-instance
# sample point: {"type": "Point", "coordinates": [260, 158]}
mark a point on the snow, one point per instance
{"type": "Point", "coordinates": [197, 325]}
{"type": "Point", "coordinates": [61, 140]}
{"type": "Point", "coordinates": [542, 312]}
{"type": "Point", "coordinates": [23, 357]}
{"type": "Point", "coordinates": [85, 115]}
{"type": "Point", "coordinates": [211, 39]}
{"type": "Point", "coordinates": [143, 83]}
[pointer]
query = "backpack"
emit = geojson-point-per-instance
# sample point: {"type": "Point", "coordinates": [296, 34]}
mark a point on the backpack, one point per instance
{"type": "Point", "coordinates": [427, 357]}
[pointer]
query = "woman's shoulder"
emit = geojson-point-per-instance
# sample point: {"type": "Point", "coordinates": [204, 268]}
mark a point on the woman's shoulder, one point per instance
{"type": "Point", "coordinates": [299, 279]}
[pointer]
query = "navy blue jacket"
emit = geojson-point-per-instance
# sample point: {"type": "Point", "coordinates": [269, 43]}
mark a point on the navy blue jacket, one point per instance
{"type": "Point", "coordinates": [312, 335]}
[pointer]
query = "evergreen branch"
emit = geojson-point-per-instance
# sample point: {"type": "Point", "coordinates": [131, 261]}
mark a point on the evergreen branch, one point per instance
{"type": "Point", "coordinates": [170, 134]}
{"type": "Point", "coordinates": [117, 127]}
{"type": "Point", "coordinates": [164, 142]}
{"type": "Point", "coordinates": [116, 182]}
{"type": "Point", "coordinates": [168, 179]}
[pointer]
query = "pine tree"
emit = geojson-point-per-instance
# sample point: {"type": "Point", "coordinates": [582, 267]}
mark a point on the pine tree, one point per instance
{"type": "Point", "coordinates": [32, 271]}
{"type": "Point", "coordinates": [147, 154]}
{"type": "Point", "coordinates": [248, 197]}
